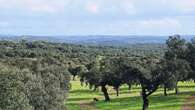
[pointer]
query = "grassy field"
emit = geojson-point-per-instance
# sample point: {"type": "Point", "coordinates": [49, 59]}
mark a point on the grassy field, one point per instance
{"type": "Point", "coordinates": [81, 98]}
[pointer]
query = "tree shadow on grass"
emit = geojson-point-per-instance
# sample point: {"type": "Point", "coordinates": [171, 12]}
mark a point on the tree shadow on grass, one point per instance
{"type": "Point", "coordinates": [124, 92]}
{"type": "Point", "coordinates": [183, 93]}
{"type": "Point", "coordinates": [82, 91]}
{"type": "Point", "coordinates": [135, 103]}
{"type": "Point", "coordinates": [118, 103]}
{"type": "Point", "coordinates": [133, 88]}
{"type": "Point", "coordinates": [186, 86]}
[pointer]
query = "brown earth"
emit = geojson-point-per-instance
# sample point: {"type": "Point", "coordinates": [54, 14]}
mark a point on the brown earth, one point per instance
{"type": "Point", "coordinates": [189, 103]}
{"type": "Point", "coordinates": [88, 106]}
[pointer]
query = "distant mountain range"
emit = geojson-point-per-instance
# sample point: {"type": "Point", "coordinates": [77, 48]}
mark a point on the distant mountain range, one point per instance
{"type": "Point", "coordinates": [95, 40]}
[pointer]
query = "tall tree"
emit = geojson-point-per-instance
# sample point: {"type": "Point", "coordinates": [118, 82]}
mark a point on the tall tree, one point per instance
{"type": "Point", "coordinates": [175, 55]}
{"type": "Point", "coordinates": [191, 57]}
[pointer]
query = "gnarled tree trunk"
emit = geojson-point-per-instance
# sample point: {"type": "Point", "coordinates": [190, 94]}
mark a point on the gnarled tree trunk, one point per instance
{"type": "Point", "coordinates": [145, 100]}
{"type": "Point", "coordinates": [104, 90]}
{"type": "Point", "coordinates": [145, 93]}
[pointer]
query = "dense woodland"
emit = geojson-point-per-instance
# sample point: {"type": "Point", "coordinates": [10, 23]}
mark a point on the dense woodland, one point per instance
{"type": "Point", "coordinates": [36, 75]}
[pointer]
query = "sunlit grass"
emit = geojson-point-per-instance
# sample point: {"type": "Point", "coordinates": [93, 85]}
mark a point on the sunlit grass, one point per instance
{"type": "Point", "coordinates": [129, 100]}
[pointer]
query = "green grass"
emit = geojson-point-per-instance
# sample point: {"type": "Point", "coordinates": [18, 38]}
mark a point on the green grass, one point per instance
{"type": "Point", "coordinates": [128, 100]}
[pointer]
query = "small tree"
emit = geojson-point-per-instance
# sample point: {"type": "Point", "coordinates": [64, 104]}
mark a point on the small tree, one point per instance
{"type": "Point", "coordinates": [147, 73]}
{"type": "Point", "coordinates": [149, 81]}
{"type": "Point", "coordinates": [94, 78]}
{"type": "Point", "coordinates": [74, 71]}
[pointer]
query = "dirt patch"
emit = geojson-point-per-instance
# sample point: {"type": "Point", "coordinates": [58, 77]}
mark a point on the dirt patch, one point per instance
{"type": "Point", "coordinates": [88, 106]}
{"type": "Point", "coordinates": [189, 103]}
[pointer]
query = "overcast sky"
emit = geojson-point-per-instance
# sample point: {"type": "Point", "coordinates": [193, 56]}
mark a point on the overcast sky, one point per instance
{"type": "Point", "coordinates": [97, 17]}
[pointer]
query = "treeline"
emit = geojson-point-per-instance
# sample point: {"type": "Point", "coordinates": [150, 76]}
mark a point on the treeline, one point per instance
{"type": "Point", "coordinates": [35, 75]}
{"type": "Point", "coordinates": [38, 48]}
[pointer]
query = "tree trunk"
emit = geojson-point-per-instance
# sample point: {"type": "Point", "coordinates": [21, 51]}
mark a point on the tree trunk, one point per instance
{"type": "Point", "coordinates": [146, 103]}
{"type": "Point", "coordinates": [73, 78]}
{"type": "Point", "coordinates": [165, 91]}
{"type": "Point", "coordinates": [145, 100]}
{"type": "Point", "coordinates": [176, 89]}
{"type": "Point", "coordinates": [95, 88]}
{"type": "Point", "coordinates": [129, 87]}
{"type": "Point", "coordinates": [117, 91]}
{"type": "Point", "coordinates": [104, 90]}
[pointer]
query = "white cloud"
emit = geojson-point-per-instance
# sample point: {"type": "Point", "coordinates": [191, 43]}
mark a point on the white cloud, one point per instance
{"type": "Point", "coordinates": [186, 5]}
{"type": "Point", "coordinates": [49, 6]}
{"type": "Point", "coordinates": [93, 7]}
{"type": "Point", "coordinates": [110, 6]}
{"type": "Point", "coordinates": [179, 5]}
{"type": "Point", "coordinates": [164, 26]}
{"type": "Point", "coordinates": [161, 23]}
{"type": "Point", "coordinates": [159, 26]}
{"type": "Point", "coordinates": [99, 6]}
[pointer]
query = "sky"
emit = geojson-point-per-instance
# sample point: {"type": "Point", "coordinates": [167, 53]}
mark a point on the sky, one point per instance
{"type": "Point", "coordinates": [97, 17]}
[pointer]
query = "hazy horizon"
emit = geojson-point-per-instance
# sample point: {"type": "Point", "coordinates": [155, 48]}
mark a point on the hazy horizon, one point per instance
{"type": "Point", "coordinates": [95, 35]}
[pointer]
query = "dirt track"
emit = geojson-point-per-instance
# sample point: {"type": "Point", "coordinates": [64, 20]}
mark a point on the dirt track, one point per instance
{"type": "Point", "coordinates": [88, 106]}
{"type": "Point", "coordinates": [189, 103]}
